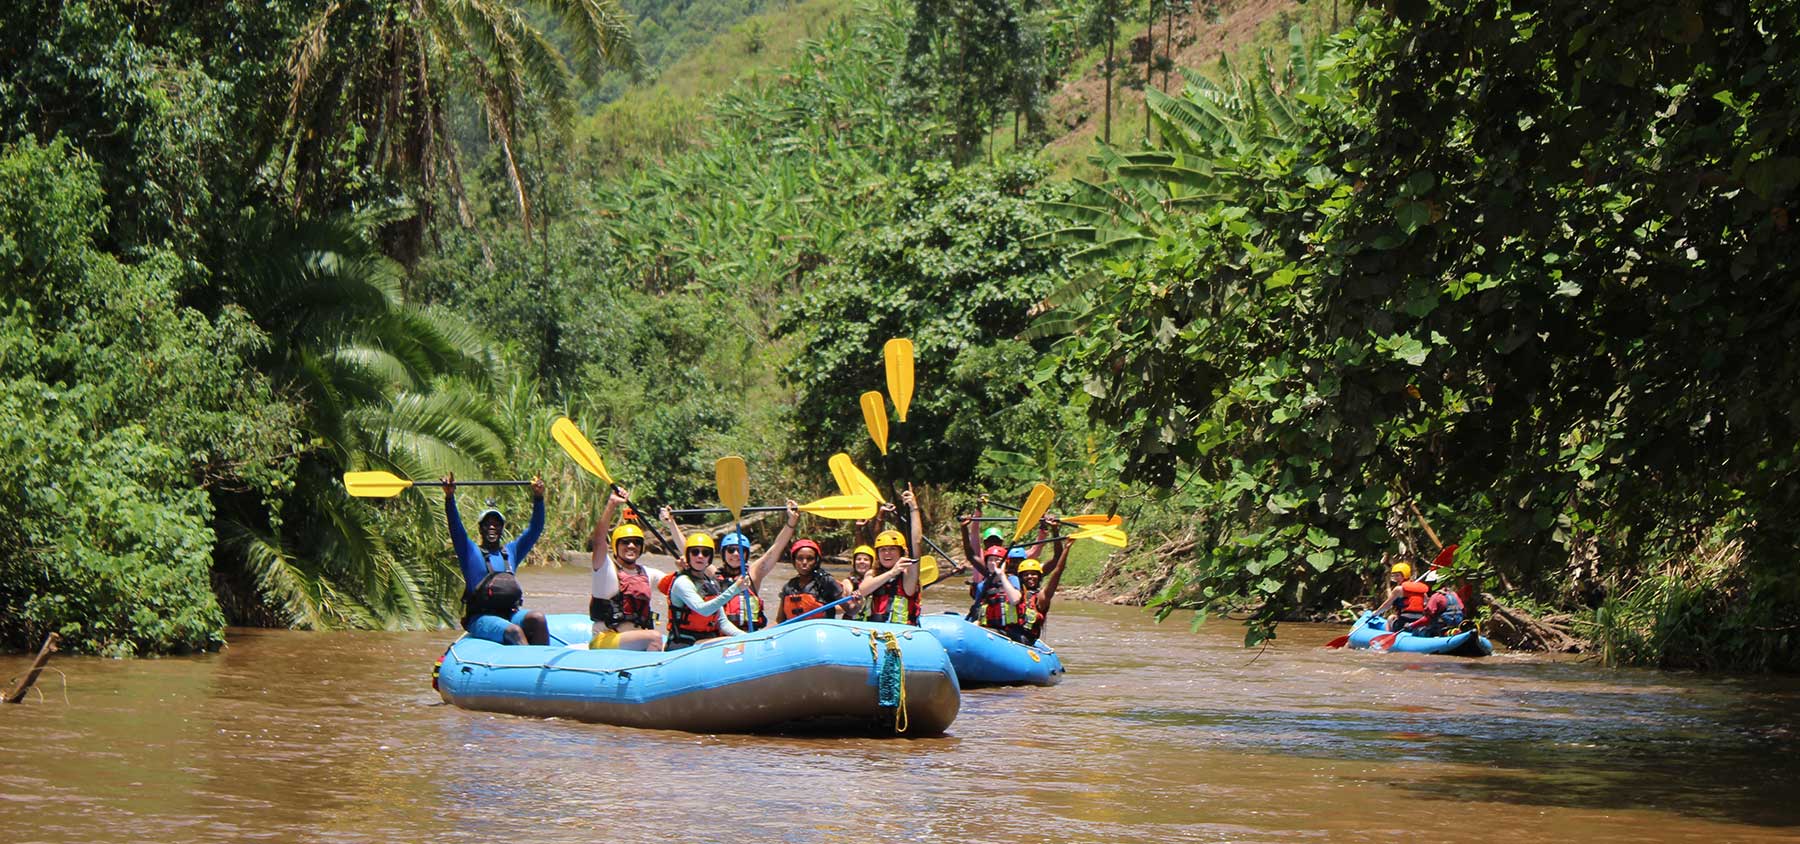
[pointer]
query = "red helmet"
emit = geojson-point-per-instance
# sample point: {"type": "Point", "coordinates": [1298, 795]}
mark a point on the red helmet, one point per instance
{"type": "Point", "coordinates": [794, 549]}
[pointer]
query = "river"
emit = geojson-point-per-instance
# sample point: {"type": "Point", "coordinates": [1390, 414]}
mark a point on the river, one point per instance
{"type": "Point", "coordinates": [1156, 735]}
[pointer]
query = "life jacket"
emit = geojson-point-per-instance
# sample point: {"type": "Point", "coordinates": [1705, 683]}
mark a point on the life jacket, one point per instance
{"type": "Point", "coordinates": [1452, 613]}
{"type": "Point", "coordinates": [631, 605]}
{"type": "Point", "coordinates": [996, 612]}
{"type": "Point", "coordinates": [498, 593]}
{"type": "Point", "coordinates": [687, 627]}
{"type": "Point", "coordinates": [1412, 597]}
{"type": "Point", "coordinates": [1030, 617]}
{"type": "Point", "coordinates": [734, 610]}
{"type": "Point", "coordinates": [799, 597]}
{"type": "Point", "coordinates": [889, 604]}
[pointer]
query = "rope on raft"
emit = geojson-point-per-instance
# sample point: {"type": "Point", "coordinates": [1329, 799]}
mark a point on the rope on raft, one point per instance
{"type": "Point", "coordinates": [890, 677]}
{"type": "Point", "coordinates": [894, 646]}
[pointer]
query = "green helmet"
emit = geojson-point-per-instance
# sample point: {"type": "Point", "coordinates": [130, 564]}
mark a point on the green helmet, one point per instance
{"type": "Point", "coordinates": [993, 534]}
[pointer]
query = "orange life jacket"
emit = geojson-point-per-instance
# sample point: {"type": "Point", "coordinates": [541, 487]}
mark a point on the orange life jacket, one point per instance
{"type": "Point", "coordinates": [734, 610]}
{"type": "Point", "coordinates": [687, 627]}
{"type": "Point", "coordinates": [800, 596]}
{"type": "Point", "coordinates": [1412, 597]}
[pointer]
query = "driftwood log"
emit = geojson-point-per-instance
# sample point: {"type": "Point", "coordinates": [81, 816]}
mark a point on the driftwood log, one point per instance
{"type": "Point", "coordinates": [1521, 630]}
{"type": "Point", "coordinates": [17, 695]}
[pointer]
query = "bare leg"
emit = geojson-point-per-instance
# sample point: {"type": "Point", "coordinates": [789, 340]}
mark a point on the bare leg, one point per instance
{"type": "Point", "coordinates": [536, 628]}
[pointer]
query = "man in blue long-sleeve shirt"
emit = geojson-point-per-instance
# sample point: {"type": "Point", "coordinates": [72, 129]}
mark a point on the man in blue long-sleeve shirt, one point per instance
{"type": "Point", "coordinates": [493, 603]}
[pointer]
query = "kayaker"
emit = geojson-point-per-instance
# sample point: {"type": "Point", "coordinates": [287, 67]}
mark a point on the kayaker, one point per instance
{"type": "Point", "coordinates": [734, 549]}
{"type": "Point", "coordinates": [493, 602]}
{"type": "Point", "coordinates": [696, 600]}
{"type": "Point", "coordinates": [1038, 589]}
{"type": "Point", "coordinates": [620, 602]}
{"type": "Point", "coordinates": [810, 587]}
{"type": "Point", "coordinates": [996, 594]}
{"type": "Point", "coordinates": [862, 561]}
{"type": "Point", "coordinates": [1406, 598]}
{"type": "Point", "coordinates": [1443, 610]}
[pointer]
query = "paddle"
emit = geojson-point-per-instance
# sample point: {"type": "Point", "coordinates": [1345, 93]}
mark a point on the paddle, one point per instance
{"type": "Point", "coordinates": [1036, 504]}
{"type": "Point", "coordinates": [1113, 520]}
{"type": "Point", "coordinates": [575, 444]}
{"type": "Point", "coordinates": [388, 485]}
{"type": "Point", "coordinates": [837, 507]}
{"type": "Point", "coordinates": [851, 480]}
{"type": "Point", "coordinates": [874, 409]}
{"type": "Point", "coordinates": [898, 354]}
{"type": "Point", "coordinates": [928, 574]}
{"type": "Point", "coordinates": [733, 479]}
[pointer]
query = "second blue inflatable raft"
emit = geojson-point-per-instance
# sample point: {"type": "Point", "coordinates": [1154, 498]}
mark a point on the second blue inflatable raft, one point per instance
{"type": "Point", "coordinates": [1467, 643]}
{"type": "Point", "coordinates": [985, 658]}
{"type": "Point", "coordinates": [831, 674]}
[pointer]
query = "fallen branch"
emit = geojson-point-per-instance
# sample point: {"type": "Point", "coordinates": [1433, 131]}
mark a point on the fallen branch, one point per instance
{"type": "Point", "coordinates": [17, 694]}
{"type": "Point", "coordinates": [1521, 630]}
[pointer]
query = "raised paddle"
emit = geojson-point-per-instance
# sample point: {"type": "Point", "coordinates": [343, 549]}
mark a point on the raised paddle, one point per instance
{"type": "Point", "coordinates": [576, 445]}
{"type": "Point", "coordinates": [733, 479]}
{"type": "Point", "coordinates": [1092, 519]}
{"type": "Point", "coordinates": [388, 484]}
{"type": "Point", "coordinates": [1035, 506]}
{"type": "Point", "coordinates": [898, 356]}
{"type": "Point", "coordinates": [837, 507]}
{"type": "Point", "coordinates": [874, 409]}
{"type": "Point", "coordinates": [851, 480]}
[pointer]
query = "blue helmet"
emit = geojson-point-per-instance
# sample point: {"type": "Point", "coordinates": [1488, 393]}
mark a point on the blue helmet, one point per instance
{"type": "Point", "coordinates": [737, 539]}
{"type": "Point", "coordinates": [1016, 554]}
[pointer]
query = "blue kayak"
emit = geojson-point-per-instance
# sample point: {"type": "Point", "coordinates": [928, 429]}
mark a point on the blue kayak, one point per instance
{"type": "Point", "coordinates": [985, 658]}
{"type": "Point", "coordinates": [819, 673]}
{"type": "Point", "coordinates": [1467, 643]}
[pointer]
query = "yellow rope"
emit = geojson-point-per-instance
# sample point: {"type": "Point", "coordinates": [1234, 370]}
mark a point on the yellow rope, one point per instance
{"type": "Point", "coordinates": [901, 722]}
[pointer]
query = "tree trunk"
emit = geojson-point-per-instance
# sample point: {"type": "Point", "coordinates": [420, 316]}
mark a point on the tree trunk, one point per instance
{"type": "Point", "coordinates": [1149, 62]}
{"type": "Point", "coordinates": [17, 694]}
{"type": "Point", "coordinates": [1112, 34]}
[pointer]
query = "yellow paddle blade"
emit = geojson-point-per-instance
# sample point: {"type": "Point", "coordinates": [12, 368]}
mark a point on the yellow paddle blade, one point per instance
{"type": "Point", "coordinates": [841, 467]}
{"type": "Point", "coordinates": [375, 484]}
{"type": "Point", "coordinates": [580, 450]}
{"type": "Point", "coordinates": [1093, 519]}
{"type": "Point", "coordinates": [860, 484]}
{"type": "Point", "coordinates": [874, 409]}
{"type": "Point", "coordinates": [1036, 505]}
{"type": "Point", "coordinates": [928, 570]}
{"type": "Point", "coordinates": [1102, 534]}
{"type": "Point", "coordinates": [843, 508]}
{"type": "Point", "coordinates": [734, 484]}
{"type": "Point", "coordinates": [898, 353]}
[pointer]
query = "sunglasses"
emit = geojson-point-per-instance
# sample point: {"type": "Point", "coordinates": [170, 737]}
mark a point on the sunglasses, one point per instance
{"type": "Point", "coordinates": [635, 542]}
{"type": "Point", "coordinates": [699, 552]}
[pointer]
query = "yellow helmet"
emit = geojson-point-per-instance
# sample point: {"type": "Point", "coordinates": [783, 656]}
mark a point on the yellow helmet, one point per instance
{"type": "Point", "coordinates": [626, 530]}
{"type": "Point", "coordinates": [1402, 568]}
{"type": "Point", "coordinates": [700, 539]}
{"type": "Point", "coordinates": [863, 549]}
{"type": "Point", "coordinates": [1029, 564]}
{"type": "Point", "coordinates": [890, 538]}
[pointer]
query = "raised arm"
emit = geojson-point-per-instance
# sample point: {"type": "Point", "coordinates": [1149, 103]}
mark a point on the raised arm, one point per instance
{"type": "Point", "coordinates": [601, 541]}
{"type": "Point", "coordinates": [770, 557]}
{"type": "Point", "coordinates": [911, 586]}
{"type": "Point", "coordinates": [685, 591]}
{"type": "Point", "coordinates": [459, 535]}
{"type": "Point", "coordinates": [1054, 578]}
{"type": "Point", "coordinates": [668, 519]}
{"type": "Point", "coordinates": [527, 540]}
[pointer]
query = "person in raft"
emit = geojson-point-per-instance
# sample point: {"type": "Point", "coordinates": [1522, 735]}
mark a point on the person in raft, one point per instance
{"type": "Point", "coordinates": [996, 593]}
{"type": "Point", "coordinates": [734, 549]}
{"type": "Point", "coordinates": [1443, 610]}
{"type": "Point", "coordinates": [810, 588]}
{"type": "Point", "coordinates": [493, 603]}
{"type": "Point", "coordinates": [1037, 589]}
{"type": "Point", "coordinates": [620, 602]}
{"type": "Point", "coordinates": [1406, 598]}
{"type": "Point", "coordinates": [893, 590]}
{"type": "Point", "coordinates": [696, 599]}
{"type": "Point", "coordinates": [862, 561]}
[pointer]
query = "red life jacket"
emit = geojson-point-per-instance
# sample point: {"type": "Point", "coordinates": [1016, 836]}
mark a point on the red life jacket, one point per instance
{"type": "Point", "coordinates": [1412, 597]}
{"type": "Point", "coordinates": [687, 627]}
{"type": "Point", "coordinates": [889, 604]}
{"type": "Point", "coordinates": [633, 599]}
{"type": "Point", "coordinates": [996, 612]}
{"type": "Point", "coordinates": [734, 610]}
{"type": "Point", "coordinates": [1030, 617]}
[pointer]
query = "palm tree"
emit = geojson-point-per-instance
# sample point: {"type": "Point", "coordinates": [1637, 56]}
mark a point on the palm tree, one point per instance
{"type": "Point", "coordinates": [376, 81]}
{"type": "Point", "coordinates": [384, 384]}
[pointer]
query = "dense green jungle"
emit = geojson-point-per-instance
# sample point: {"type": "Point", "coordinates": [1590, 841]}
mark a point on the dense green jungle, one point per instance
{"type": "Point", "coordinates": [1262, 277]}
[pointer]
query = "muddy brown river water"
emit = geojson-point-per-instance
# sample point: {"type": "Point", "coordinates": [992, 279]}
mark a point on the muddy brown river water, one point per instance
{"type": "Point", "coordinates": [1157, 735]}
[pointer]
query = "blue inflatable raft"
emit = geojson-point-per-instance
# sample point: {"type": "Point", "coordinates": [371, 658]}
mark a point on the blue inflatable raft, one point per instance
{"type": "Point", "coordinates": [1467, 643]}
{"type": "Point", "coordinates": [820, 674]}
{"type": "Point", "coordinates": [985, 658]}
